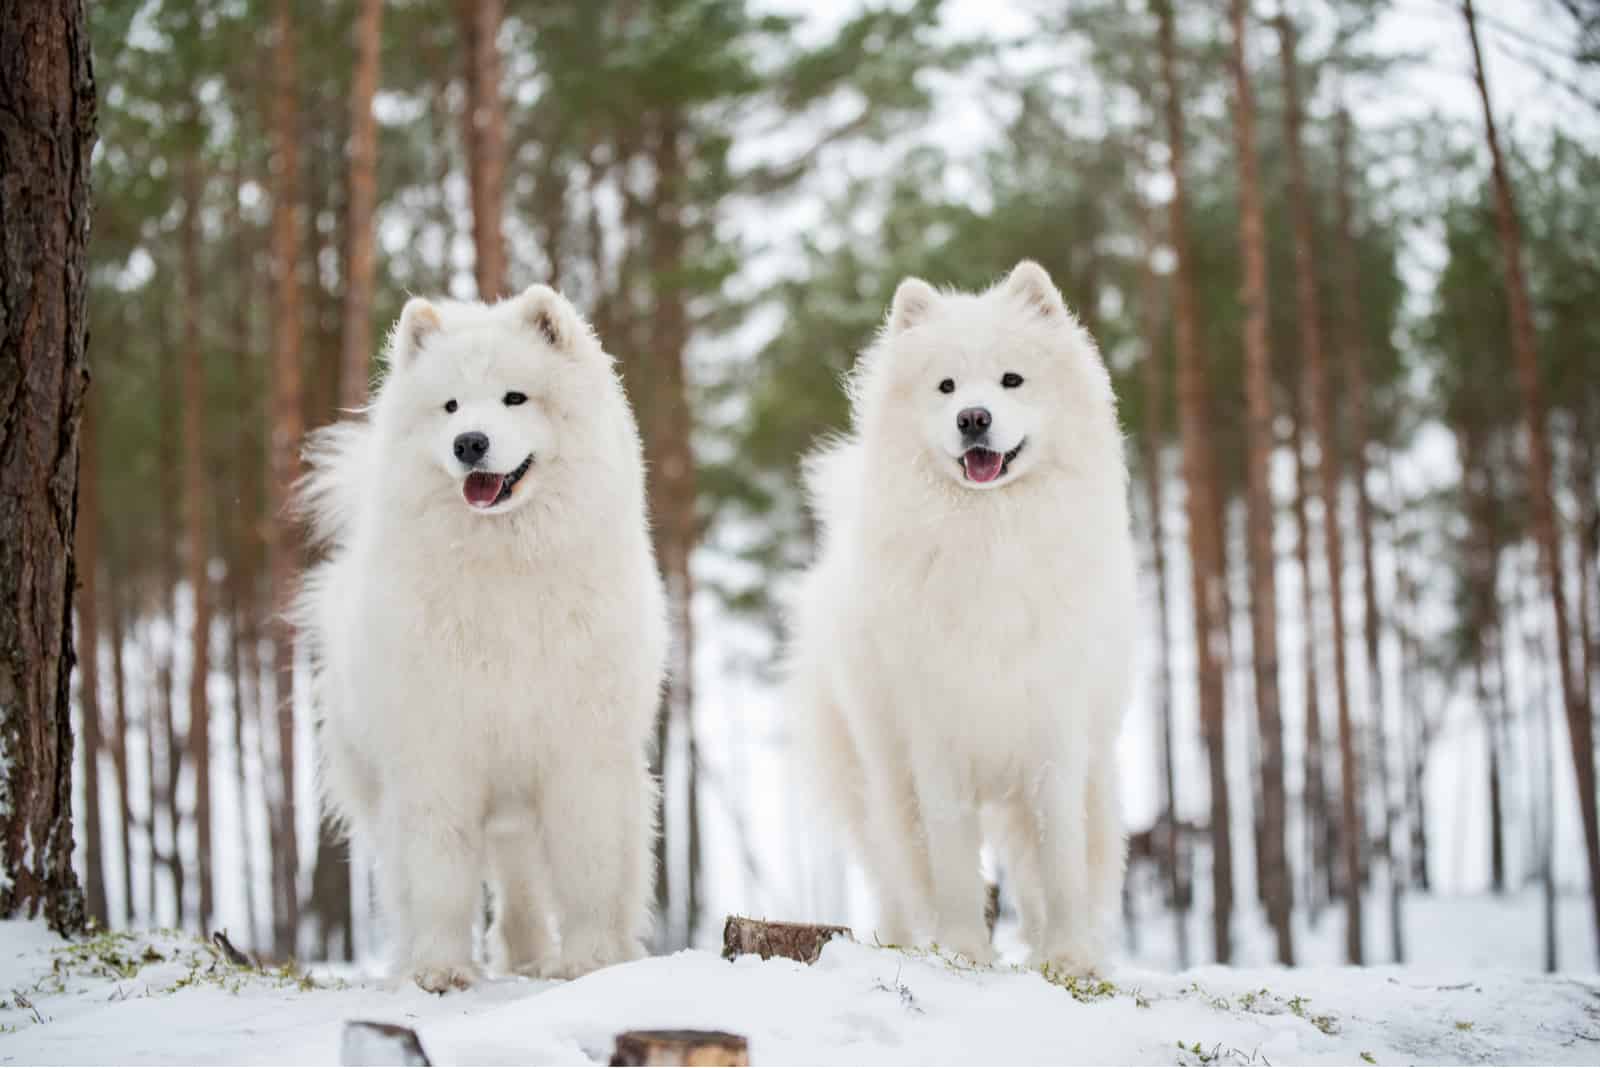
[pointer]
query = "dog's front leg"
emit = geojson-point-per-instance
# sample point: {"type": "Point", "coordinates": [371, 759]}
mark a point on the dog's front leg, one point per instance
{"type": "Point", "coordinates": [1059, 793]}
{"type": "Point", "coordinates": [439, 868]}
{"type": "Point", "coordinates": [950, 824]}
{"type": "Point", "coordinates": [596, 822]}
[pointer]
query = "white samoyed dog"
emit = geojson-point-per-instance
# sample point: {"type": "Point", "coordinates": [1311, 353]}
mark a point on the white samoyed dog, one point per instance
{"type": "Point", "coordinates": [961, 650]}
{"type": "Point", "coordinates": [489, 630]}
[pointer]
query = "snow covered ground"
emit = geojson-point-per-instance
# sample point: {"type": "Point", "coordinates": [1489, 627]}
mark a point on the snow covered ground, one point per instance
{"type": "Point", "coordinates": [167, 999]}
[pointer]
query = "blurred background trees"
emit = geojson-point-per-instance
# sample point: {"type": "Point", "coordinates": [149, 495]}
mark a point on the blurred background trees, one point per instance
{"type": "Point", "coordinates": [1301, 286]}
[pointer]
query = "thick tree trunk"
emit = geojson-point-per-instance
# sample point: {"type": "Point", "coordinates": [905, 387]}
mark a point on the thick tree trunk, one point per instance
{"type": "Point", "coordinates": [666, 427]}
{"type": "Point", "coordinates": [356, 339]}
{"type": "Point", "coordinates": [1575, 695]}
{"type": "Point", "coordinates": [1276, 880]}
{"type": "Point", "coordinates": [1152, 432]}
{"type": "Point", "coordinates": [46, 136]}
{"type": "Point", "coordinates": [484, 129]}
{"type": "Point", "coordinates": [1205, 548]}
{"type": "Point", "coordinates": [197, 510]}
{"type": "Point", "coordinates": [287, 422]}
{"type": "Point", "coordinates": [88, 547]}
{"type": "Point", "coordinates": [1310, 316]}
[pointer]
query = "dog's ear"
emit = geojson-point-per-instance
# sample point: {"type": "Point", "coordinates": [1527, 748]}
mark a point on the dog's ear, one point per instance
{"type": "Point", "coordinates": [1030, 284]}
{"type": "Point", "coordinates": [913, 299]}
{"type": "Point", "coordinates": [419, 320]}
{"type": "Point", "coordinates": [552, 317]}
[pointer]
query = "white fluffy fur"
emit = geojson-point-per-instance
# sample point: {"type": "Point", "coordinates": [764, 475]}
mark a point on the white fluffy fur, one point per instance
{"type": "Point", "coordinates": [961, 655]}
{"type": "Point", "coordinates": [487, 678]}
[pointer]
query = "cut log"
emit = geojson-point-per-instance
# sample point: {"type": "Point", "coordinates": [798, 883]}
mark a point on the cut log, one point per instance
{"type": "Point", "coordinates": [230, 952]}
{"type": "Point", "coordinates": [369, 1042]}
{"type": "Point", "coordinates": [796, 941]}
{"type": "Point", "coordinates": [681, 1047]}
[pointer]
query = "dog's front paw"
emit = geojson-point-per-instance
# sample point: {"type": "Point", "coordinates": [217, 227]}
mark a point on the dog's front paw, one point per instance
{"type": "Point", "coordinates": [1076, 957]}
{"type": "Point", "coordinates": [579, 957]}
{"type": "Point", "coordinates": [443, 978]}
{"type": "Point", "coordinates": [972, 948]}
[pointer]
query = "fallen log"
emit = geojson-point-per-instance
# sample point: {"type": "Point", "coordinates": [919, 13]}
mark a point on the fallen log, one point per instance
{"type": "Point", "coordinates": [803, 942]}
{"type": "Point", "coordinates": [369, 1042]}
{"type": "Point", "coordinates": [710, 1048]}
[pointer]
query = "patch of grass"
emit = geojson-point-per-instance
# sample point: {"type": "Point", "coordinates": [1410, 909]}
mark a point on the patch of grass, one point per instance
{"type": "Point", "coordinates": [1463, 1025]}
{"type": "Point", "coordinates": [1369, 1058]}
{"type": "Point", "coordinates": [1086, 989]}
{"type": "Point", "coordinates": [1190, 1053]}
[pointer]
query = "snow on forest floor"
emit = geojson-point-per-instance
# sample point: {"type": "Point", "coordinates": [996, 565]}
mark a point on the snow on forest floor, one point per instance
{"type": "Point", "coordinates": [136, 999]}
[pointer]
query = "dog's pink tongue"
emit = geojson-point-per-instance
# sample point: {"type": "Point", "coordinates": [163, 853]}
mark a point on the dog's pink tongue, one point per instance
{"type": "Point", "coordinates": [983, 465]}
{"type": "Point", "coordinates": [481, 488]}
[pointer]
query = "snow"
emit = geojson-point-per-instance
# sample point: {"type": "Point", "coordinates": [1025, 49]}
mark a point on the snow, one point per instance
{"type": "Point", "coordinates": [165, 998]}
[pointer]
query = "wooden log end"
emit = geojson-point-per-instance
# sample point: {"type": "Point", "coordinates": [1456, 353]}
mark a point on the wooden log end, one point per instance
{"type": "Point", "coordinates": [370, 1042]}
{"type": "Point", "coordinates": [710, 1048]}
{"type": "Point", "coordinates": [803, 942]}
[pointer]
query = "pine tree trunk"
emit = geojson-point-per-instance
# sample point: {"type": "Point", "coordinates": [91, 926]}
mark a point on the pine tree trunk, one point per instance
{"type": "Point", "coordinates": [1318, 830]}
{"type": "Point", "coordinates": [484, 128]}
{"type": "Point", "coordinates": [1205, 547]}
{"type": "Point", "coordinates": [1575, 696]}
{"type": "Point", "coordinates": [46, 136]}
{"type": "Point", "coordinates": [197, 501]}
{"type": "Point", "coordinates": [356, 339]}
{"type": "Point", "coordinates": [1353, 352]}
{"type": "Point", "coordinates": [666, 428]}
{"type": "Point", "coordinates": [88, 645]}
{"type": "Point", "coordinates": [245, 527]}
{"type": "Point", "coordinates": [1151, 431]}
{"type": "Point", "coordinates": [1351, 831]}
{"type": "Point", "coordinates": [286, 419]}
{"type": "Point", "coordinates": [1276, 880]}
{"type": "Point", "coordinates": [119, 741]}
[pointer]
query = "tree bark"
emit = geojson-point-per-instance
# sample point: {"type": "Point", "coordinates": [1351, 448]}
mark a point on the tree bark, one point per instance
{"type": "Point", "coordinates": [197, 501]}
{"type": "Point", "coordinates": [1276, 881]}
{"type": "Point", "coordinates": [484, 129]}
{"type": "Point", "coordinates": [1310, 317]}
{"type": "Point", "coordinates": [1155, 401]}
{"type": "Point", "coordinates": [356, 337]}
{"type": "Point", "coordinates": [1318, 830]}
{"type": "Point", "coordinates": [1353, 354]}
{"type": "Point", "coordinates": [1205, 548]}
{"type": "Point", "coordinates": [47, 132]}
{"type": "Point", "coordinates": [119, 741]}
{"type": "Point", "coordinates": [1575, 695]}
{"type": "Point", "coordinates": [287, 421]}
{"type": "Point", "coordinates": [89, 668]}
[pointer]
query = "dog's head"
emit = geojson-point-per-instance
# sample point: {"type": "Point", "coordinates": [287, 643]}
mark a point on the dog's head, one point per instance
{"type": "Point", "coordinates": [490, 394]}
{"type": "Point", "coordinates": [987, 386]}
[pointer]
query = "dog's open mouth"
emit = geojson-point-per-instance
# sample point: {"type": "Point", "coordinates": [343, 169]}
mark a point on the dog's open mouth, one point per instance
{"type": "Point", "coordinates": [986, 465]}
{"type": "Point", "coordinates": [485, 489]}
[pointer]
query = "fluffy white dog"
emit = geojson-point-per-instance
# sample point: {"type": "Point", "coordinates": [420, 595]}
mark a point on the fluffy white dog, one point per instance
{"type": "Point", "coordinates": [964, 640]}
{"type": "Point", "coordinates": [490, 635]}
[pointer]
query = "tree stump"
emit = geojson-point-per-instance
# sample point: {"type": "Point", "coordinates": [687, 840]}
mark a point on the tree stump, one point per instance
{"type": "Point", "coordinates": [369, 1042]}
{"type": "Point", "coordinates": [711, 1048]}
{"type": "Point", "coordinates": [796, 941]}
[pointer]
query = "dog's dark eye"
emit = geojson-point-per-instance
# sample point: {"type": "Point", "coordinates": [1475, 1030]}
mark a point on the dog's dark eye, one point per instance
{"type": "Point", "coordinates": [514, 398]}
{"type": "Point", "coordinates": [1011, 380]}
{"type": "Point", "coordinates": [449, 405]}
{"type": "Point", "coordinates": [947, 386]}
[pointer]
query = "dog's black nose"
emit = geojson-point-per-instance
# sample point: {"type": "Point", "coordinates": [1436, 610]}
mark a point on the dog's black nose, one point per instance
{"type": "Point", "coordinates": [973, 421]}
{"type": "Point", "coordinates": [470, 447]}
